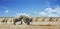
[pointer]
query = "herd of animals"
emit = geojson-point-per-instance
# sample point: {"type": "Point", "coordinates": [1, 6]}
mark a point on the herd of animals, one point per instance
{"type": "Point", "coordinates": [27, 20]}
{"type": "Point", "coordinates": [21, 18]}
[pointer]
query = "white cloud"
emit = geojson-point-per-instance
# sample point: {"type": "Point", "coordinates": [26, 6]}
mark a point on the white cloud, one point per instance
{"type": "Point", "coordinates": [18, 14]}
{"type": "Point", "coordinates": [6, 11]}
{"type": "Point", "coordinates": [24, 14]}
{"type": "Point", "coordinates": [42, 13]}
{"type": "Point", "coordinates": [49, 12]}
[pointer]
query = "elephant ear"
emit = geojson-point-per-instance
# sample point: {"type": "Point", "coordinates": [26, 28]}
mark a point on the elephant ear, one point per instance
{"type": "Point", "coordinates": [30, 19]}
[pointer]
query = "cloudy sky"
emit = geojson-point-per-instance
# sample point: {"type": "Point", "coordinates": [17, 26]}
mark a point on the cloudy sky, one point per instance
{"type": "Point", "coordinates": [30, 7]}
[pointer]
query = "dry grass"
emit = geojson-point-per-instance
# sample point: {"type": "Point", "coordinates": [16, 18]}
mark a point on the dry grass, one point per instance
{"type": "Point", "coordinates": [10, 26]}
{"type": "Point", "coordinates": [7, 26]}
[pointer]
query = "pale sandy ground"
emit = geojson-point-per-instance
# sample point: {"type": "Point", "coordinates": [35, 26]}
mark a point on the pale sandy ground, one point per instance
{"type": "Point", "coordinates": [36, 26]}
{"type": "Point", "coordinates": [6, 26]}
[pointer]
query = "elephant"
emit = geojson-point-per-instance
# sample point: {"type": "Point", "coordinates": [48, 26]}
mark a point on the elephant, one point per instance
{"type": "Point", "coordinates": [22, 19]}
{"type": "Point", "coordinates": [28, 20]}
{"type": "Point", "coordinates": [17, 20]}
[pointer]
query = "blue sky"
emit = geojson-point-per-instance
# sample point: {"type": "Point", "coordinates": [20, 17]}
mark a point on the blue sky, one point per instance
{"type": "Point", "coordinates": [30, 7]}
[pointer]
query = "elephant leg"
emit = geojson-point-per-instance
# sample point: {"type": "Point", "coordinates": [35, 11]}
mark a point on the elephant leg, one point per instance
{"type": "Point", "coordinates": [14, 23]}
{"type": "Point", "coordinates": [20, 23]}
{"type": "Point", "coordinates": [28, 23]}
